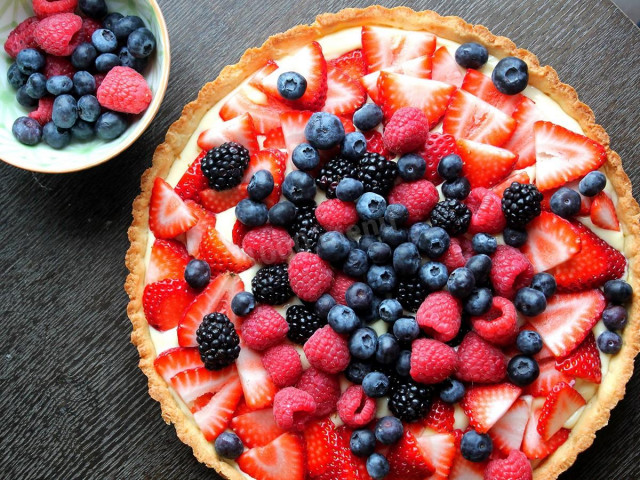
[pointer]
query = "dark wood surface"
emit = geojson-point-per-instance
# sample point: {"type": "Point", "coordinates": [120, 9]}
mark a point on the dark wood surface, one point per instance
{"type": "Point", "coordinates": [73, 403]}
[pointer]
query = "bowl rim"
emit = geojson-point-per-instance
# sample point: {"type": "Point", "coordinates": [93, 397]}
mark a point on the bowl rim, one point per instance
{"type": "Point", "coordinates": [137, 132]}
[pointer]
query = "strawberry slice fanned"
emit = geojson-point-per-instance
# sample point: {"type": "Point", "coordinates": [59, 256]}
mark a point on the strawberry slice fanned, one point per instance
{"type": "Point", "coordinates": [352, 63]}
{"type": "Point", "coordinates": [445, 69]}
{"type": "Point", "coordinates": [520, 176]}
{"type": "Point", "coordinates": [176, 360]}
{"type": "Point", "coordinates": [552, 240]}
{"type": "Point", "coordinates": [508, 432]}
{"type": "Point", "coordinates": [407, 461]}
{"type": "Point", "coordinates": [274, 139]}
{"type": "Point", "coordinates": [275, 162]}
{"type": "Point", "coordinates": [482, 86]}
{"type": "Point", "coordinates": [420, 67]}
{"type": "Point", "coordinates": [384, 47]}
{"type": "Point", "coordinates": [169, 216]}
{"type": "Point", "coordinates": [293, 124]}
{"type": "Point", "coordinates": [239, 130]}
{"type": "Point", "coordinates": [264, 110]}
{"type": "Point", "coordinates": [584, 362]}
{"type": "Point", "coordinates": [603, 212]}
{"type": "Point", "coordinates": [370, 83]}
{"type": "Point", "coordinates": [585, 202]}
{"type": "Point", "coordinates": [258, 388]}
{"type": "Point", "coordinates": [463, 469]}
{"type": "Point", "coordinates": [344, 94]}
{"type": "Point", "coordinates": [223, 255]}
{"type": "Point", "coordinates": [282, 459]}
{"type": "Point", "coordinates": [193, 237]}
{"type": "Point", "coordinates": [193, 383]}
{"type": "Point", "coordinates": [549, 377]}
{"type": "Point", "coordinates": [536, 447]}
{"type": "Point", "coordinates": [168, 260]}
{"type": "Point", "coordinates": [485, 405]}
{"type": "Point", "coordinates": [256, 428]}
{"type": "Point", "coordinates": [484, 165]}
{"type": "Point", "coordinates": [165, 302]}
{"type": "Point", "coordinates": [522, 141]}
{"type": "Point", "coordinates": [561, 403]}
{"type": "Point", "coordinates": [193, 181]}
{"type": "Point", "coordinates": [214, 417]}
{"type": "Point", "coordinates": [440, 450]}
{"type": "Point", "coordinates": [218, 201]}
{"type": "Point", "coordinates": [320, 438]}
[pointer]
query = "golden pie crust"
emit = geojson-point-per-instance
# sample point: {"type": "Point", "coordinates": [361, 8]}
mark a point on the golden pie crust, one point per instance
{"type": "Point", "coordinates": [545, 78]}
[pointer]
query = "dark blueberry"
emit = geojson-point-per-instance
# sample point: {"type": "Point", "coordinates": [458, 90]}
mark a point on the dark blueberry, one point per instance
{"type": "Point", "coordinates": [434, 275]}
{"type": "Point", "coordinates": [24, 98]}
{"type": "Point", "coordinates": [198, 274]}
{"type": "Point", "coordinates": [106, 61]}
{"type": "Point", "coordinates": [104, 40]}
{"type": "Point", "coordinates": [125, 27]}
{"type": "Point", "coordinates": [371, 206]}
{"type": "Point", "coordinates": [36, 85]}
{"type": "Point", "coordinates": [27, 130]}
{"type": "Point", "coordinates": [59, 84]}
{"type": "Point", "coordinates": [323, 305]}
{"type": "Point", "coordinates": [396, 214]}
{"type": "Point", "coordinates": [461, 282]}
{"type": "Point", "coordinates": [403, 365]}
{"type": "Point", "coordinates": [343, 319]}
{"type": "Point", "coordinates": [411, 167]}
{"type": "Point", "coordinates": [371, 314]}
{"type": "Point", "coordinates": [458, 188]}
{"type": "Point", "coordinates": [110, 125]}
{"type": "Point", "coordinates": [388, 430]}
{"type": "Point", "coordinates": [55, 136]}
{"type": "Point", "coordinates": [282, 214]}
{"type": "Point", "coordinates": [15, 77]}
{"type": "Point", "coordinates": [377, 466]}
{"type": "Point", "coordinates": [452, 391]}
{"type": "Point", "coordinates": [141, 42]}
{"type": "Point", "coordinates": [375, 385]}
{"type": "Point", "coordinates": [379, 253]}
{"type": "Point", "coordinates": [363, 343]}
{"type": "Point", "coordinates": [406, 329]}
{"type": "Point", "coordinates": [479, 302]}
{"type": "Point", "coordinates": [382, 279]}
{"type": "Point", "coordinates": [565, 202]}
{"type": "Point", "coordinates": [484, 243]}
{"type": "Point", "coordinates": [450, 167]}
{"type": "Point", "coordinates": [98, 9]}
{"type": "Point", "coordinates": [228, 444]}
{"type": "Point", "coordinates": [83, 84]}
{"type": "Point", "coordinates": [614, 317]}
{"type": "Point", "coordinates": [529, 342]}
{"type": "Point", "coordinates": [367, 117]}
{"type": "Point", "coordinates": [356, 264]}
{"type": "Point", "coordinates": [390, 310]}
{"type": "Point", "coordinates": [242, 303]}
{"type": "Point", "coordinates": [291, 85]}
{"type": "Point", "coordinates": [261, 185]}
{"type": "Point", "coordinates": [545, 283]}
{"type": "Point", "coordinates": [349, 189]}
{"type": "Point", "coordinates": [251, 214]}
{"type": "Point", "coordinates": [592, 184]}
{"type": "Point", "coordinates": [416, 230]}
{"type": "Point", "coordinates": [362, 442]}
{"type": "Point", "coordinates": [530, 302]}
{"type": "Point", "coordinates": [333, 246]}
{"type": "Point", "coordinates": [82, 131]}
{"type": "Point", "coordinates": [388, 349]}
{"type": "Point", "coordinates": [299, 187]}
{"type": "Point", "coordinates": [618, 291]}
{"type": "Point", "coordinates": [609, 342]}
{"type": "Point", "coordinates": [365, 241]}
{"type": "Point", "coordinates": [480, 265]}
{"type": "Point", "coordinates": [305, 157]}
{"type": "Point", "coordinates": [128, 60]}
{"type": "Point", "coordinates": [392, 235]}
{"type": "Point", "coordinates": [111, 19]}
{"type": "Point", "coordinates": [354, 146]}
{"type": "Point", "coordinates": [84, 56]}
{"type": "Point", "coordinates": [471, 55]}
{"type": "Point", "coordinates": [510, 75]}
{"type": "Point", "coordinates": [356, 371]}
{"type": "Point", "coordinates": [476, 447]}
{"type": "Point", "coordinates": [433, 242]}
{"type": "Point", "coordinates": [324, 130]}
{"type": "Point", "coordinates": [406, 259]}
{"type": "Point", "coordinates": [30, 61]}
{"type": "Point", "coordinates": [65, 111]}
{"type": "Point", "coordinates": [514, 237]}
{"type": "Point", "coordinates": [522, 370]}
{"type": "Point", "coordinates": [359, 297]}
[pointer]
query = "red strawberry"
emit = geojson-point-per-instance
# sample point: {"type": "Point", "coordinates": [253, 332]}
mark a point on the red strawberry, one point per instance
{"type": "Point", "coordinates": [344, 94]}
{"type": "Point", "coordinates": [440, 416]}
{"type": "Point", "coordinates": [352, 63]}
{"type": "Point", "coordinates": [522, 141]}
{"type": "Point", "coordinates": [214, 417]}
{"type": "Point", "coordinates": [487, 404]}
{"type": "Point", "coordinates": [239, 129]}
{"type": "Point", "coordinates": [370, 83]}
{"type": "Point", "coordinates": [265, 111]}
{"type": "Point", "coordinates": [583, 362]}
{"type": "Point", "coordinates": [375, 143]}
{"type": "Point", "coordinates": [321, 439]}
{"type": "Point", "coordinates": [418, 67]}
{"type": "Point", "coordinates": [21, 37]}
{"type": "Point", "coordinates": [257, 428]}
{"type": "Point", "coordinates": [176, 360]}
{"type": "Point", "coordinates": [293, 124]}
{"type": "Point", "coordinates": [482, 87]}
{"type": "Point", "coordinates": [534, 446]}
{"type": "Point", "coordinates": [165, 302]}
{"type": "Point", "coordinates": [445, 69]}
{"type": "Point", "coordinates": [274, 139]}
{"type": "Point", "coordinates": [562, 155]}
{"type": "Point", "coordinates": [440, 449]}
{"type": "Point", "coordinates": [552, 240]}
{"type": "Point", "coordinates": [238, 232]}
{"type": "Point", "coordinates": [275, 162]}
{"type": "Point", "coordinates": [223, 255]}
{"type": "Point", "coordinates": [603, 212]}
{"type": "Point", "coordinates": [438, 146]}
{"type": "Point", "coordinates": [568, 319]}
{"type": "Point", "coordinates": [258, 388]}
{"type": "Point", "coordinates": [258, 77]}
{"type": "Point", "coordinates": [463, 469]}
{"type": "Point", "coordinates": [206, 221]}
{"type": "Point", "coordinates": [507, 433]}
{"type": "Point", "coordinates": [169, 216]}
{"type": "Point", "coordinates": [193, 180]}
{"type": "Point", "coordinates": [559, 406]}
{"type": "Point", "coordinates": [168, 260]}
{"type": "Point", "coordinates": [281, 459]}
{"type": "Point", "coordinates": [384, 47]}
{"type": "Point", "coordinates": [519, 176]}
{"type": "Point", "coordinates": [195, 382]}
{"type": "Point", "coordinates": [407, 461]}
{"type": "Point", "coordinates": [548, 378]}
{"type": "Point", "coordinates": [484, 165]}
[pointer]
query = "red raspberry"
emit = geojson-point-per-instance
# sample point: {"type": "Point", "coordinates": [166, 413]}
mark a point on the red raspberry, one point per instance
{"type": "Point", "coordinates": [324, 388]}
{"type": "Point", "coordinates": [22, 37]}
{"type": "Point", "coordinates": [515, 467]}
{"type": "Point", "coordinates": [479, 361]}
{"type": "Point", "coordinates": [327, 350]}
{"type": "Point", "coordinates": [407, 130]}
{"type": "Point", "coordinates": [467, 248]}
{"type": "Point", "coordinates": [510, 271]}
{"type": "Point", "coordinates": [375, 143]}
{"type": "Point", "coordinates": [419, 197]}
{"type": "Point", "coordinates": [43, 113]}
{"type": "Point", "coordinates": [55, 34]}
{"type": "Point", "coordinates": [440, 315]}
{"type": "Point", "coordinates": [355, 408]}
{"type": "Point", "coordinates": [339, 287]}
{"type": "Point", "coordinates": [431, 361]}
{"type": "Point", "coordinates": [89, 26]}
{"type": "Point", "coordinates": [239, 229]}
{"type": "Point", "coordinates": [268, 244]}
{"type": "Point", "coordinates": [283, 365]}
{"type": "Point", "coordinates": [99, 77]}
{"type": "Point", "coordinates": [124, 90]}
{"type": "Point", "coordinates": [46, 8]}
{"type": "Point", "coordinates": [453, 257]}
{"type": "Point", "coordinates": [499, 325]}
{"type": "Point", "coordinates": [292, 408]}
{"type": "Point", "coordinates": [437, 146]}
{"type": "Point", "coordinates": [263, 328]}
{"type": "Point", "coordinates": [54, 66]}
{"type": "Point", "coordinates": [486, 211]}
{"type": "Point", "coordinates": [309, 276]}
{"type": "Point", "coordinates": [440, 417]}
{"type": "Point", "coordinates": [336, 215]}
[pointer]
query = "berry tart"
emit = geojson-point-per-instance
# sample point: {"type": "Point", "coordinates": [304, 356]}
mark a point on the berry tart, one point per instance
{"type": "Point", "coordinates": [386, 245]}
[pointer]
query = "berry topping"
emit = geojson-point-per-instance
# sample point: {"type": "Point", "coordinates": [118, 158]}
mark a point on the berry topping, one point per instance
{"type": "Point", "coordinates": [309, 276]}
{"type": "Point", "coordinates": [376, 173]}
{"type": "Point", "coordinates": [327, 351]}
{"type": "Point", "coordinates": [224, 166]}
{"type": "Point", "coordinates": [336, 215]}
{"type": "Point", "coordinates": [431, 361]}
{"type": "Point", "coordinates": [303, 322]}
{"type": "Point", "coordinates": [221, 254]}
{"type": "Point", "coordinates": [418, 197]}
{"type": "Point", "coordinates": [283, 364]}
{"type": "Point", "coordinates": [510, 75]}
{"type": "Point", "coordinates": [268, 244]}
{"type": "Point", "coordinates": [218, 342]}
{"type": "Point", "coordinates": [409, 400]}
{"type": "Point", "coordinates": [282, 459]}
{"type": "Point", "coordinates": [228, 445]}
{"type": "Point", "coordinates": [510, 271]}
{"type": "Point", "coordinates": [292, 408]}
{"type": "Point", "coordinates": [264, 327]}
{"type": "Point", "coordinates": [583, 362]}
{"type": "Point", "coordinates": [499, 325]}
{"type": "Point", "coordinates": [484, 165]}
{"type": "Point", "coordinates": [407, 130]}
{"type": "Point", "coordinates": [271, 285]}
{"type": "Point", "coordinates": [440, 315]}
{"type": "Point", "coordinates": [165, 302]}
{"type": "Point", "coordinates": [515, 467]}
{"type": "Point", "coordinates": [355, 408]}
{"type": "Point", "coordinates": [168, 214]}
{"type": "Point", "coordinates": [323, 387]}
{"type": "Point", "coordinates": [55, 34]}
{"type": "Point", "coordinates": [561, 403]}
{"type": "Point", "coordinates": [451, 215]}
{"type": "Point", "coordinates": [485, 405]}
{"type": "Point", "coordinates": [479, 361]}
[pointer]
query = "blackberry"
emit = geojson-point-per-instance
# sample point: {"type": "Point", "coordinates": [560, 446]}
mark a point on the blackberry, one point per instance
{"type": "Point", "coordinates": [521, 204]}
{"type": "Point", "coordinates": [271, 285]}
{"type": "Point", "coordinates": [452, 215]}
{"type": "Point", "coordinates": [411, 292]}
{"type": "Point", "coordinates": [303, 322]}
{"type": "Point", "coordinates": [305, 229]}
{"type": "Point", "coordinates": [377, 174]}
{"type": "Point", "coordinates": [409, 400]}
{"type": "Point", "coordinates": [332, 172]}
{"type": "Point", "coordinates": [218, 341]}
{"type": "Point", "coordinates": [224, 166]}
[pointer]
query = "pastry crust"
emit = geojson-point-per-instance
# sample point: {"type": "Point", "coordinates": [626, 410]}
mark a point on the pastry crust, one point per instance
{"type": "Point", "coordinates": [545, 78]}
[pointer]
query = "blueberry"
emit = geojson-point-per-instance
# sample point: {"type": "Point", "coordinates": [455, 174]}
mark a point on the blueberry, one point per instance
{"type": "Point", "coordinates": [618, 291]}
{"type": "Point", "coordinates": [592, 184]}
{"type": "Point", "coordinates": [476, 447]}
{"type": "Point", "coordinates": [365, 241]}
{"type": "Point", "coordinates": [250, 213]}
{"type": "Point", "coordinates": [363, 343]}
{"type": "Point", "coordinates": [480, 265]}
{"type": "Point", "coordinates": [354, 146]}
{"type": "Point", "coordinates": [565, 202]}
{"type": "Point", "coordinates": [514, 237]}
{"type": "Point", "coordinates": [371, 206]}
{"type": "Point", "coordinates": [379, 253]}
{"type": "Point", "coordinates": [24, 98]}
{"type": "Point", "coordinates": [433, 242]}
{"type": "Point", "coordinates": [375, 385]}
{"type": "Point", "coordinates": [36, 85]}
{"type": "Point", "coordinates": [291, 85]}
{"type": "Point", "coordinates": [356, 371]}
{"type": "Point", "coordinates": [434, 275]}
{"type": "Point", "coordinates": [349, 189]}
{"type": "Point", "coordinates": [522, 370]}
{"type": "Point", "coordinates": [27, 130]}
{"type": "Point", "coordinates": [458, 188]}
{"type": "Point", "coordinates": [545, 283]}
{"type": "Point", "coordinates": [15, 77]}
{"type": "Point", "coordinates": [84, 56]}
{"type": "Point", "coordinates": [510, 75]}
{"type": "Point", "coordinates": [343, 319]}
{"type": "Point", "coordinates": [406, 259]}
{"type": "Point", "coordinates": [388, 430]}
{"type": "Point", "coordinates": [403, 365]}
{"type": "Point", "coordinates": [242, 303]}
{"type": "Point", "coordinates": [359, 297]}
{"type": "Point", "coordinates": [324, 131]}
{"type": "Point", "coordinates": [396, 215]}
{"type": "Point", "coordinates": [362, 442]}
{"type": "Point", "coordinates": [282, 214]}
{"type": "Point", "coordinates": [82, 131]}
{"type": "Point", "coordinates": [104, 40]}
{"type": "Point", "coordinates": [111, 19]}
{"type": "Point", "coordinates": [55, 136]}
{"type": "Point", "coordinates": [367, 117]}
{"type": "Point", "coordinates": [377, 466]}
{"type": "Point", "coordinates": [323, 305]}
{"type": "Point", "coordinates": [461, 282]}
{"type": "Point", "coordinates": [609, 342]}
{"type": "Point", "coordinates": [29, 61]}
{"type": "Point", "coordinates": [305, 157]}
{"type": "Point", "coordinates": [141, 42]}
{"type": "Point", "coordinates": [107, 61]}
{"type": "Point", "coordinates": [88, 108]}
{"type": "Point", "coordinates": [484, 243]}
{"type": "Point", "coordinates": [93, 8]}
{"type": "Point", "coordinates": [382, 279]}
{"type": "Point", "coordinates": [452, 391]}
{"type": "Point", "coordinates": [530, 302]}
{"type": "Point", "coordinates": [411, 167]}
{"type": "Point", "coordinates": [415, 231]}
{"type": "Point", "coordinates": [228, 445]}
{"type": "Point", "coordinates": [65, 111]}
{"type": "Point", "coordinates": [388, 349]}
{"type": "Point", "coordinates": [450, 167]}
{"type": "Point", "coordinates": [356, 264]}
{"type": "Point", "coordinates": [125, 26]}
{"type": "Point", "coordinates": [83, 84]}
{"type": "Point", "coordinates": [392, 235]}
{"type": "Point", "coordinates": [479, 302]}
{"type": "Point", "coordinates": [59, 84]}
{"type": "Point", "coordinates": [261, 185]}
{"type": "Point", "coordinates": [333, 247]}
{"type": "Point", "coordinates": [614, 317]}
{"type": "Point", "coordinates": [529, 342]}
{"type": "Point", "coordinates": [471, 55]}
{"type": "Point", "coordinates": [299, 187]}
{"type": "Point", "coordinates": [110, 125]}
{"type": "Point", "coordinates": [128, 60]}
{"type": "Point", "coordinates": [390, 310]}
{"type": "Point", "coordinates": [406, 329]}
{"type": "Point", "coordinates": [198, 274]}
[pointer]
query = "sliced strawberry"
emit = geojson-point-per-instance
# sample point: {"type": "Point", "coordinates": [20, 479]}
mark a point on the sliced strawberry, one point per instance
{"type": "Point", "coordinates": [223, 255]}
{"type": "Point", "coordinates": [275, 162]}
{"type": "Point", "coordinates": [274, 139]}
{"type": "Point", "coordinates": [239, 129]}
{"type": "Point", "coordinates": [396, 91]}
{"type": "Point", "coordinates": [165, 302]}
{"type": "Point", "coordinates": [559, 406]}
{"type": "Point", "coordinates": [463, 469]}
{"type": "Point", "coordinates": [440, 417]}
{"type": "Point", "coordinates": [445, 69]}
{"type": "Point", "coordinates": [568, 319]}
{"type": "Point", "coordinates": [344, 94]}
{"type": "Point", "coordinates": [169, 216]}
{"type": "Point", "coordinates": [201, 402]}
{"type": "Point", "coordinates": [258, 388]}
{"type": "Point", "coordinates": [407, 461]}
{"type": "Point", "coordinates": [256, 429]}
{"type": "Point", "coordinates": [206, 220]}
{"type": "Point", "coordinates": [440, 449]}
{"type": "Point", "coordinates": [603, 212]}
{"type": "Point", "coordinates": [485, 405]}
{"type": "Point", "coordinates": [522, 141]}
{"type": "Point", "coordinates": [346, 466]}
{"type": "Point", "coordinates": [543, 354]}
{"type": "Point", "coordinates": [195, 382]}
{"type": "Point", "coordinates": [384, 47]}
{"type": "Point", "coordinates": [265, 111]}
{"type": "Point", "coordinates": [585, 202]}
{"type": "Point", "coordinates": [563, 155]}
{"type": "Point", "coordinates": [352, 63]}
{"type": "Point", "coordinates": [176, 360]}
{"type": "Point", "coordinates": [484, 165]}
{"type": "Point", "coordinates": [519, 176]}
{"type": "Point", "coordinates": [238, 232]}
{"type": "Point", "coordinates": [508, 432]}
{"type": "Point", "coordinates": [193, 180]}
{"type": "Point", "coordinates": [534, 446]}
{"type": "Point", "coordinates": [320, 440]}
{"type": "Point", "coordinates": [219, 201]}
{"type": "Point", "coordinates": [214, 417]}
{"type": "Point", "coordinates": [549, 377]}
{"type": "Point", "coordinates": [583, 362]}
{"type": "Point", "coordinates": [482, 87]}
{"type": "Point", "coordinates": [168, 260]}
{"type": "Point", "coordinates": [258, 77]}
{"type": "Point", "coordinates": [438, 146]}
{"type": "Point", "coordinates": [370, 84]}
{"type": "Point", "coordinates": [551, 241]}
{"type": "Point", "coordinates": [418, 67]}
{"type": "Point", "coordinates": [293, 124]}
{"type": "Point", "coordinates": [282, 459]}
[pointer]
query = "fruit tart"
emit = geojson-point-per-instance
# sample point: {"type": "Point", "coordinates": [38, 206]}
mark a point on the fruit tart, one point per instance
{"type": "Point", "coordinates": [386, 245]}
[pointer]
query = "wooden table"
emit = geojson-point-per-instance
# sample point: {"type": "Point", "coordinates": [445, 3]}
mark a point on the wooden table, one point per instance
{"type": "Point", "coordinates": [73, 403]}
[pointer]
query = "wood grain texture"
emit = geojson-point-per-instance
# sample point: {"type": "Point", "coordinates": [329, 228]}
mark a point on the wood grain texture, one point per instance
{"type": "Point", "coordinates": [73, 403]}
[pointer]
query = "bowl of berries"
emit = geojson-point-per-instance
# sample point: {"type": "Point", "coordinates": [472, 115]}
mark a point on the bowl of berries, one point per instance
{"type": "Point", "coordinates": [80, 80]}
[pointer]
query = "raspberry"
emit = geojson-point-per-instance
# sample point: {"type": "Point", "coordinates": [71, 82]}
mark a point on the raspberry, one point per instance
{"type": "Point", "coordinates": [440, 417]}
{"type": "Point", "coordinates": [54, 66]}
{"type": "Point", "coordinates": [419, 197]}
{"type": "Point", "coordinates": [339, 287]}
{"type": "Point", "coordinates": [292, 408]}
{"type": "Point", "coordinates": [124, 90]}
{"type": "Point", "coordinates": [309, 276]}
{"type": "Point", "coordinates": [437, 146]}
{"type": "Point", "coordinates": [510, 271]}
{"type": "Point", "coordinates": [264, 327]}
{"type": "Point", "coordinates": [89, 26]}
{"type": "Point", "coordinates": [324, 388]}
{"type": "Point", "coordinates": [431, 361]}
{"type": "Point", "coordinates": [283, 365]}
{"type": "Point", "coordinates": [22, 37]}
{"type": "Point", "coordinates": [486, 211]}
{"type": "Point", "coordinates": [479, 361]}
{"type": "Point", "coordinates": [407, 130]}
{"type": "Point", "coordinates": [46, 8]}
{"type": "Point", "coordinates": [355, 408]}
{"type": "Point", "coordinates": [99, 77]}
{"type": "Point", "coordinates": [55, 34]}
{"type": "Point", "coordinates": [453, 257]}
{"type": "Point", "coordinates": [336, 215]}
{"type": "Point", "coordinates": [327, 350]}
{"type": "Point", "coordinates": [43, 113]}
{"type": "Point", "coordinates": [375, 143]}
{"type": "Point", "coordinates": [467, 248]}
{"type": "Point", "coordinates": [499, 325]}
{"type": "Point", "coordinates": [267, 244]}
{"type": "Point", "coordinates": [440, 315]}
{"type": "Point", "coordinates": [515, 467]}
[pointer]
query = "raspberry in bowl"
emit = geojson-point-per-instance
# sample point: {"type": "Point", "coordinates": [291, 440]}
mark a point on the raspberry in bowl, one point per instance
{"type": "Point", "coordinates": [81, 80]}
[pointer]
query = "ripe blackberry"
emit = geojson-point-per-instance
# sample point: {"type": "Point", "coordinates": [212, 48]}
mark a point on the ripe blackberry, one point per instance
{"type": "Point", "coordinates": [218, 341]}
{"type": "Point", "coordinates": [452, 215]}
{"type": "Point", "coordinates": [303, 322]}
{"type": "Point", "coordinates": [332, 172]}
{"type": "Point", "coordinates": [271, 285]}
{"type": "Point", "coordinates": [411, 292]}
{"type": "Point", "coordinates": [521, 204]}
{"type": "Point", "coordinates": [409, 400]}
{"type": "Point", "coordinates": [305, 229]}
{"type": "Point", "coordinates": [224, 166]}
{"type": "Point", "coordinates": [376, 173]}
